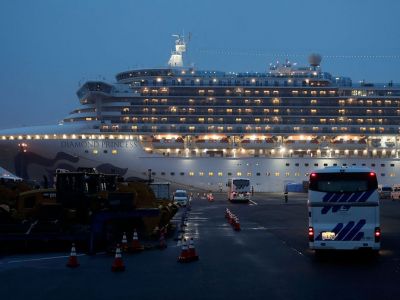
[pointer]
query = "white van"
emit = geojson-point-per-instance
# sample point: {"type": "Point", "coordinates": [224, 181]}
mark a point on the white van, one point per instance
{"type": "Point", "coordinates": [181, 197]}
{"type": "Point", "coordinates": [343, 209]}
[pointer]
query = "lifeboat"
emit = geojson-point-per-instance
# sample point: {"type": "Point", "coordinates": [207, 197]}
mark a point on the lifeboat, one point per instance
{"type": "Point", "coordinates": [168, 143]}
{"type": "Point", "coordinates": [210, 144]}
{"type": "Point", "coordinates": [258, 144]}
{"type": "Point", "coordinates": [349, 144]}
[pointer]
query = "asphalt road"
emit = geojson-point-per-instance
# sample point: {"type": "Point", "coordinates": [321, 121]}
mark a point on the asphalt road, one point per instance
{"type": "Point", "coordinates": [267, 259]}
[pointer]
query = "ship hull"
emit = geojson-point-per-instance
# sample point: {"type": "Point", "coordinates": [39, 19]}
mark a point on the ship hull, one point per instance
{"type": "Point", "coordinates": [129, 159]}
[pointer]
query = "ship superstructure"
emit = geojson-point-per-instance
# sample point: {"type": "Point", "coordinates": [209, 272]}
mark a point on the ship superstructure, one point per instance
{"type": "Point", "coordinates": [202, 127]}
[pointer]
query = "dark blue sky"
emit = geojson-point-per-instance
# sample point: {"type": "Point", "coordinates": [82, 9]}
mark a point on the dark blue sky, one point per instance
{"type": "Point", "coordinates": [47, 47]}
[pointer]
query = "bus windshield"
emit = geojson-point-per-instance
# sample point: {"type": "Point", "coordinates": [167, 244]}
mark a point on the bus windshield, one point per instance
{"type": "Point", "coordinates": [343, 182]}
{"type": "Point", "coordinates": [241, 183]}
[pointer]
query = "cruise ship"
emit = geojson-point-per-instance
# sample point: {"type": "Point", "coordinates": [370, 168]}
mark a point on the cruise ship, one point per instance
{"type": "Point", "coordinates": [198, 128]}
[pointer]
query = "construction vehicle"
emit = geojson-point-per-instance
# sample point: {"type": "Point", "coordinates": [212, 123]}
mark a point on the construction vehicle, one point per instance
{"type": "Point", "coordinates": [84, 205]}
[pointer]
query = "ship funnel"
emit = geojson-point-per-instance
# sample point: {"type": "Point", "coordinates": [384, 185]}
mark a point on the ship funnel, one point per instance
{"type": "Point", "coordinates": [314, 60]}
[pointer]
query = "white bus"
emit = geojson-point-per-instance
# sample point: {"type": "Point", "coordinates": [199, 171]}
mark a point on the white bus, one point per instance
{"type": "Point", "coordinates": [239, 189]}
{"type": "Point", "coordinates": [343, 209]}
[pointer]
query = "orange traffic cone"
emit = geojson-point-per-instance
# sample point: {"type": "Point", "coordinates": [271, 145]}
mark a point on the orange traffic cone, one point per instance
{"type": "Point", "coordinates": [227, 211]}
{"type": "Point", "coordinates": [135, 247]}
{"type": "Point", "coordinates": [192, 251]}
{"type": "Point", "coordinates": [118, 264]}
{"type": "Point", "coordinates": [236, 224]}
{"type": "Point", "coordinates": [124, 243]}
{"type": "Point", "coordinates": [184, 257]}
{"type": "Point", "coordinates": [72, 259]}
{"type": "Point", "coordinates": [230, 218]}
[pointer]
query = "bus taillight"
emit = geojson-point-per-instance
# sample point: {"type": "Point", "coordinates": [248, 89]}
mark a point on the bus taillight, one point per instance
{"type": "Point", "coordinates": [377, 234]}
{"type": "Point", "coordinates": [311, 234]}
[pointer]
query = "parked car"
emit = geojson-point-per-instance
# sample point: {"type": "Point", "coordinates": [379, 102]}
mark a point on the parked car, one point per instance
{"type": "Point", "coordinates": [395, 195]}
{"type": "Point", "coordinates": [385, 192]}
{"type": "Point", "coordinates": [181, 197]}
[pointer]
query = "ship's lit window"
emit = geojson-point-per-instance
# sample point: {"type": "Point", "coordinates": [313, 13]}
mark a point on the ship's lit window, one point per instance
{"type": "Point", "coordinates": [210, 173]}
{"type": "Point", "coordinates": [201, 120]}
{"type": "Point", "coordinates": [249, 174]}
{"type": "Point", "coordinates": [114, 151]}
{"type": "Point", "coordinates": [220, 174]}
{"type": "Point", "coordinates": [266, 92]}
{"type": "Point", "coordinates": [239, 173]}
{"type": "Point", "coordinates": [201, 173]}
{"type": "Point", "coordinates": [192, 128]}
{"type": "Point", "coordinates": [297, 174]}
{"type": "Point", "coordinates": [287, 174]}
{"type": "Point", "coordinates": [191, 173]}
{"type": "Point", "coordinates": [277, 174]}
{"type": "Point", "coordinates": [228, 101]}
{"type": "Point", "coordinates": [95, 151]}
{"type": "Point", "coordinates": [238, 120]}
{"type": "Point", "coordinates": [392, 174]}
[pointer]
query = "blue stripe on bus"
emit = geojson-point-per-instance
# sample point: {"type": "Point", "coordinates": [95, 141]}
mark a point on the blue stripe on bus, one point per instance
{"type": "Point", "coordinates": [365, 196]}
{"type": "Point", "coordinates": [355, 230]}
{"type": "Point", "coordinates": [359, 236]}
{"type": "Point", "coordinates": [327, 197]}
{"type": "Point", "coordinates": [344, 231]}
{"type": "Point", "coordinates": [355, 196]}
{"type": "Point", "coordinates": [344, 198]}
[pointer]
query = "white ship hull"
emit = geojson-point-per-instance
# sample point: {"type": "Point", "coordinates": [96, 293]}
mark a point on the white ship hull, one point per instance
{"type": "Point", "coordinates": [129, 159]}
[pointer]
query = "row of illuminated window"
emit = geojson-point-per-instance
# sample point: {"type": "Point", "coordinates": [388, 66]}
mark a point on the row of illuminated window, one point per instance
{"type": "Point", "coordinates": [96, 151]}
{"type": "Point", "coordinates": [249, 128]}
{"type": "Point", "coordinates": [272, 100]}
{"type": "Point", "coordinates": [247, 174]}
{"type": "Point", "coordinates": [271, 120]}
{"type": "Point", "coordinates": [260, 111]}
{"type": "Point", "coordinates": [239, 91]}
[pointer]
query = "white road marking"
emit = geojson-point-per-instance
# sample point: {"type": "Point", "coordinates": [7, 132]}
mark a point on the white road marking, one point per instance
{"type": "Point", "coordinates": [37, 259]}
{"type": "Point", "coordinates": [254, 203]}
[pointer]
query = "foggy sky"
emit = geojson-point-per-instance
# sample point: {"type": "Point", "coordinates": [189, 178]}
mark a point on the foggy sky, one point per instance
{"type": "Point", "coordinates": [48, 47]}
